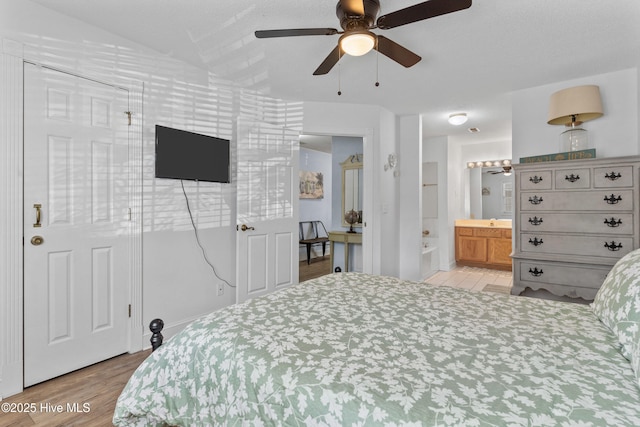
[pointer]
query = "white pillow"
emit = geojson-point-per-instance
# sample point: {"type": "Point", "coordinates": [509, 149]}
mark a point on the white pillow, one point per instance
{"type": "Point", "coordinates": [617, 304]}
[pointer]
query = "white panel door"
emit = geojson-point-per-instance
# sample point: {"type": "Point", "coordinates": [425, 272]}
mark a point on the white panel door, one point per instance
{"type": "Point", "coordinates": [267, 236]}
{"type": "Point", "coordinates": [76, 223]}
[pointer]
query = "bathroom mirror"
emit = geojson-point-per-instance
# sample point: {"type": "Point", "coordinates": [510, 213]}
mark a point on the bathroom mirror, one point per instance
{"type": "Point", "coordinates": [490, 194]}
{"type": "Point", "coordinates": [352, 191]}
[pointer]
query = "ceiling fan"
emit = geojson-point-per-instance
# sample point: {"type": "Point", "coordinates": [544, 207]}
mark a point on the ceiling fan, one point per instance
{"type": "Point", "coordinates": [506, 170]}
{"type": "Point", "coordinates": [358, 17]}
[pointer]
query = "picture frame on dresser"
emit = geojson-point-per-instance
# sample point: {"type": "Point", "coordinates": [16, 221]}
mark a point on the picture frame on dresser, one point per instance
{"type": "Point", "coordinates": [573, 220]}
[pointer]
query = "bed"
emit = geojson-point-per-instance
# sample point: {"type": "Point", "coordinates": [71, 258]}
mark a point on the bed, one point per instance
{"type": "Point", "coordinates": [354, 349]}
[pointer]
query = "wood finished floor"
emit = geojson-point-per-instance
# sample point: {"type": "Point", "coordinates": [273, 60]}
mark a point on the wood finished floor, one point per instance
{"type": "Point", "coordinates": [98, 386]}
{"type": "Point", "coordinates": [317, 267]}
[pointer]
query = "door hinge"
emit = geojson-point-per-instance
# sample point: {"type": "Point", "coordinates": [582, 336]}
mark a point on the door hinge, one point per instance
{"type": "Point", "coordinates": [129, 214]}
{"type": "Point", "coordinates": [129, 114]}
{"type": "Point", "coordinates": [129, 310]}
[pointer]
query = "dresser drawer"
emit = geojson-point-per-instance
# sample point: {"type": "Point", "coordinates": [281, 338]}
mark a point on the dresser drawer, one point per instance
{"type": "Point", "coordinates": [596, 200]}
{"type": "Point", "coordinates": [573, 179]}
{"type": "Point", "coordinates": [538, 180]}
{"type": "Point", "coordinates": [613, 177]}
{"type": "Point", "coordinates": [563, 274]}
{"type": "Point", "coordinates": [598, 223]}
{"type": "Point", "coordinates": [598, 246]}
{"type": "Point", "coordinates": [574, 280]}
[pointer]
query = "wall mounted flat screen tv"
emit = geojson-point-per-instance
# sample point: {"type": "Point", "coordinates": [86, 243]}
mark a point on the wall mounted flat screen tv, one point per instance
{"type": "Point", "coordinates": [187, 155]}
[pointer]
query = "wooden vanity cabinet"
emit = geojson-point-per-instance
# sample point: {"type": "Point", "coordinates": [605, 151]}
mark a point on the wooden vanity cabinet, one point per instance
{"type": "Point", "coordinates": [483, 247]}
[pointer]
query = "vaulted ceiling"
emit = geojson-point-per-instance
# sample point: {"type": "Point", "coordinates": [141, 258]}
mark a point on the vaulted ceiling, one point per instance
{"type": "Point", "coordinates": [471, 60]}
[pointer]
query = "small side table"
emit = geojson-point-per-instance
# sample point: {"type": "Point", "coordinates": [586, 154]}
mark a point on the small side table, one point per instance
{"type": "Point", "coordinates": [345, 238]}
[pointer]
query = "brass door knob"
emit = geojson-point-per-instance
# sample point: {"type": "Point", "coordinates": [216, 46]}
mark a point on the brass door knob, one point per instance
{"type": "Point", "coordinates": [37, 240]}
{"type": "Point", "coordinates": [244, 227]}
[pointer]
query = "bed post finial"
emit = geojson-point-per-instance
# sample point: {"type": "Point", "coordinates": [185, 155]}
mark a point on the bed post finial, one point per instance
{"type": "Point", "coordinates": [156, 326]}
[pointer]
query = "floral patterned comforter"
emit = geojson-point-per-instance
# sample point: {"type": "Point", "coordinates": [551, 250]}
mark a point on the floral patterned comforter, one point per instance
{"type": "Point", "coordinates": [353, 349]}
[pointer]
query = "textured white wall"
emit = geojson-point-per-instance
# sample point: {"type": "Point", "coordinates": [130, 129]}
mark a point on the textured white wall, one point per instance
{"type": "Point", "coordinates": [614, 134]}
{"type": "Point", "coordinates": [410, 197]}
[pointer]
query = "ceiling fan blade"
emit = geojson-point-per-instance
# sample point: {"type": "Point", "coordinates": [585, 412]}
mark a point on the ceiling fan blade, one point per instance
{"type": "Point", "coordinates": [393, 50]}
{"type": "Point", "coordinates": [329, 61]}
{"type": "Point", "coordinates": [352, 7]}
{"type": "Point", "coordinates": [265, 34]}
{"type": "Point", "coordinates": [420, 11]}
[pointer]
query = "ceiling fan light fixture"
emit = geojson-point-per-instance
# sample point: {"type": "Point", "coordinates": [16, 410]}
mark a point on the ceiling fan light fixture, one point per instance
{"type": "Point", "coordinates": [458, 119]}
{"type": "Point", "coordinates": [357, 43]}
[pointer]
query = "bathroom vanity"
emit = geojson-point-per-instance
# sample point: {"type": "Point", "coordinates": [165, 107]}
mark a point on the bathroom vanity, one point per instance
{"type": "Point", "coordinates": [483, 243]}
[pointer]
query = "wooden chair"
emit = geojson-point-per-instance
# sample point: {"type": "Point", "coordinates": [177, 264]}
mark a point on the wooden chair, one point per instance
{"type": "Point", "coordinates": [313, 233]}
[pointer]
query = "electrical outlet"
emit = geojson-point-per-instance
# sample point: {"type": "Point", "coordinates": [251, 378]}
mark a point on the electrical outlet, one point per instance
{"type": "Point", "coordinates": [220, 289]}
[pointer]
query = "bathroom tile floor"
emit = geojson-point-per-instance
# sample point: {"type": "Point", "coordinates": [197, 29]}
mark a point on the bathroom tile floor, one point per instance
{"type": "Point", "coordinates": [472, 278]}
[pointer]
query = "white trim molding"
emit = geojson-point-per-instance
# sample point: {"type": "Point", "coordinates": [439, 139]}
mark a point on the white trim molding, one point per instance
{"type": "Point", "coordinates": [11, 184]}
{"type": "Point", "coordinates": [136, 328]}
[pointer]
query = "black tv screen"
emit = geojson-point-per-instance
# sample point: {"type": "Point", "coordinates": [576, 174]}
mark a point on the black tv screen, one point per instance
{"type": "Point", "coordinates": [187, 155]}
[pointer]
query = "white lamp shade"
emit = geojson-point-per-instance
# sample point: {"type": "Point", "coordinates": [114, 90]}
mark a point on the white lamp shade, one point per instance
{"type": "Point", "coordinates": [357, 43]}
{"type": "Point", "coordinates": [583, 102]}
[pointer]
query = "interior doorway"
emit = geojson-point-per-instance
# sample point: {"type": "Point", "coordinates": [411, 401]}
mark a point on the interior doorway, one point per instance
{"type": "Point", "coordinates": [321, 159]}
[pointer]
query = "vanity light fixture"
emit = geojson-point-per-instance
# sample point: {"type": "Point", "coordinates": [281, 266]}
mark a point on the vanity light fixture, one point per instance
{"type": "Point", "coordinates": [457, 119]}
{"type": "Point", "coordinates": [504, 163]}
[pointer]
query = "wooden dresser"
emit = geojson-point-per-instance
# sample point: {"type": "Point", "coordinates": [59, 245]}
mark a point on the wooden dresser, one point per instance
{"type": "Point", "coordinates": [573, 220]}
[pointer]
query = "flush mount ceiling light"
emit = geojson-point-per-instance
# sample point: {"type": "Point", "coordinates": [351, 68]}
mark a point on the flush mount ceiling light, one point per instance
{"type": "Point", "coordinates": [458, 118]}
{"type": "Point", "coordinates": [357, 43]}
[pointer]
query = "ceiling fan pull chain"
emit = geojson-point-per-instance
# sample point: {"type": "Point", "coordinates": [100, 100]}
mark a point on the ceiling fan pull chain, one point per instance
{"type": "Point", "coordinates": [339, 91]}
{"type": "Point", "coordinates": [377, 58]}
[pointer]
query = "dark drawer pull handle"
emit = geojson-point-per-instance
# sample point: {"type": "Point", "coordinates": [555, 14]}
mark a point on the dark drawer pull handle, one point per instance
{"type": "Point", "coordinates": [535, 200]}
{"type": "Point", "coordinates": [612, 200]}
{"type": "Point", "coordinates": [613, 246]}
{"type": "Point", "coordinates": [535, 272]}
{"type": "Point", "coordinates": [612, 176]}
{"type": "Point", "coordinates": [572, 177]}
{"type": "Point", "coordinates": [613, 222]}
{"type": "Point", "coordinates": [535, 220]}
{"type": "Point", "coordinates": [535, 179]}
{"type": "Point", "coordinates": [535, 241]}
